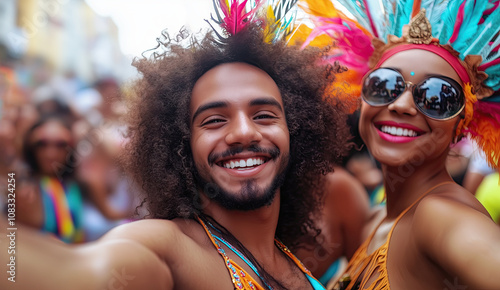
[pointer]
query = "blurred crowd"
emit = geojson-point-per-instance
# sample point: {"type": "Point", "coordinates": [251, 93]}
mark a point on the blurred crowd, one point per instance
{"type": "Point", "coordinates": [63, 138]}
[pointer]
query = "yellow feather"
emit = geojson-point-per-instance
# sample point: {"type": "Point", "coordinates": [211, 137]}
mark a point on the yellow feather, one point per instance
{"type": "Point", "coordinates": [322, 8]}
{"type": "Point", "coordinates": [271, 21]}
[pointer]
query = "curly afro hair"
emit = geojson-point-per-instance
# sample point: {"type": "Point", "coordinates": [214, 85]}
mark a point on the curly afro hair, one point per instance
{"type": "Point", "coordinates": [159, 152]}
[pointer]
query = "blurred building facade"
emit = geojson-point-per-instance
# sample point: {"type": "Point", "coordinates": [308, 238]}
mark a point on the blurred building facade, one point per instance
{"type": "Point", "coordinates": [66, 36]}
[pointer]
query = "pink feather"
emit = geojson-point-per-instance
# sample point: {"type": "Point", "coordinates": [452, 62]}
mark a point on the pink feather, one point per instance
{"type": "Point", "coordinates": [484, 66]}
{"type": "Point", "coordinates": [352, 47]}
{"type": "Point", "coordinates": [492, 9]}
{"type": "Point", "coordinates": [236, 18]}
{"type": "Point", "coordinates": [489, 108]}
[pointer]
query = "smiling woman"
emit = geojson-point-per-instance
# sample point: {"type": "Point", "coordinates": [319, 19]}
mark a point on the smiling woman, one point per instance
{"type": "Point", "coordinates": [424, 90]}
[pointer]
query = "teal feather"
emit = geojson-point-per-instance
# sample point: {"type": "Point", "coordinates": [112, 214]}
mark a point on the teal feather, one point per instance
{"type": "Point", "coordinates": [358, 11]}
{"type": "Point", "coordinates": [493, 77]}
{"type": "Point", "coordinates": [378, 15]}
{"type": "Point", "coordinates": [488, 54]}
{"type": "Point", "coordinates": [495, 99]}
{"type": "Point", "coordinates": [470, 26]}
{"type": "Point", "coordinates": [434, 9]}
{"type": "Point", "coordinates": [479, 43]}
{"type": "Point", "coordinates": [285, 14]}
{"type": "Point", "coordinates": [402, 16]}
{"type": "Point", "coordinates": [444, 29]}
{"type": "Point", "coordinates": [478, 33]}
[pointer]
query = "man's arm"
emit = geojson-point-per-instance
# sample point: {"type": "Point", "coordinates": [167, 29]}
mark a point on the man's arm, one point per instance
{"type": "Point", "coordinates": [42, 262]}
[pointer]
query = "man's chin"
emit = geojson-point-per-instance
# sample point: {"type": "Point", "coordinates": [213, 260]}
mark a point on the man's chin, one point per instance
{"type": "Point", "coordinates": [249, 195]}
{"type": "Point", "coordinates": [245, 200]}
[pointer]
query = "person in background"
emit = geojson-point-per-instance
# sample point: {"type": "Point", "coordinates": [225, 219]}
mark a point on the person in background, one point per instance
{"type": "Point", "coordinates": [53, 201]}
{"type": "Point", "coordinates": [344, 214]}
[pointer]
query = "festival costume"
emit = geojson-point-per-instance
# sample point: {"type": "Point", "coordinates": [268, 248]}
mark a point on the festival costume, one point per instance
{"type": "Point", "coordinates": [374, 263]}
{"type": "Point", "coordinates": [240, 278]}
{"type": "Point", "coordinates": [464, 33]}
{"type": "Point", "coordinates": [364, 33]}
{"type": "Point", "coordinates": [62, 205]}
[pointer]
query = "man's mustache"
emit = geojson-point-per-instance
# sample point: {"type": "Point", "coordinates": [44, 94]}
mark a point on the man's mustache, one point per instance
{"type": "Point", "coordinates": [273, 152]}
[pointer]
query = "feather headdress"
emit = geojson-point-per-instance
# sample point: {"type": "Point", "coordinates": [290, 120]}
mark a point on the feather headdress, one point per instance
{"type": "Point", "coordinates": [363, 30]}
{"type": "Point", "coordinates": [274, 17]}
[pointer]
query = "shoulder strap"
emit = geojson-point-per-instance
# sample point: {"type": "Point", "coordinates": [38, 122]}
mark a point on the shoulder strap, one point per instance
{"type": "Point", "coordinates": [314, 282]}
{"type": "Point", "coordinates": [412, 205]}
{"type": "Point", "coordinates": [241, 279]}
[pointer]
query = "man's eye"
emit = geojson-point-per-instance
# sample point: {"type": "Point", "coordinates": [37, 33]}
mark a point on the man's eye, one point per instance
{"type": "Point", "coordinates": [264, 116]}
{"type": "Point", "coordinates": [212, 121]}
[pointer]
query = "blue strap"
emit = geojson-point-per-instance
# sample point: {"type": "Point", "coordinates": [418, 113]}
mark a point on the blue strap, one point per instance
{"type": "Point", "coordinates": [49, 223]}
{"type": "Point", "coordinates": [315, 283]}
{"type": "Point", "coordinates": [330, 272]}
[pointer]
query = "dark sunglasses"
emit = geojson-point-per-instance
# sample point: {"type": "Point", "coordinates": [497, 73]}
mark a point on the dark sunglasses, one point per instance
{"type": "Point", "coordinates": [59, 144]}
{"type": "Point", "coordinates": [437, 97]}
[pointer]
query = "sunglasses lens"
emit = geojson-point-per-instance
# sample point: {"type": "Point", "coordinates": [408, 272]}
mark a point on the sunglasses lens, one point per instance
{"type": "Point", "coordinates": [439, 98]}
{"type": "Point", "coordinates": [382, 86]}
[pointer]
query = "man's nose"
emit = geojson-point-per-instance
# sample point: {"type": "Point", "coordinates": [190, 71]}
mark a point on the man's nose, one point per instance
{"type": "Point", "coordinates": [242, 131]}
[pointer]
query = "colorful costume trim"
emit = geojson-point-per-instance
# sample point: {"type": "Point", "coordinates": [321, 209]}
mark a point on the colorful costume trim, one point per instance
{"type": "Point", "coordinates": [240, 278]}
{"type": "Point", "coordinates": [62, 209]}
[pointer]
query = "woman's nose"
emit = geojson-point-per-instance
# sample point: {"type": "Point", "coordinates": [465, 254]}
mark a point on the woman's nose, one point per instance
{"type": "Point", "coordinates": [404, 104]}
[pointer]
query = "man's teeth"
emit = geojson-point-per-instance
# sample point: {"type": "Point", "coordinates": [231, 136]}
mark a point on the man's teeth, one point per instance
{"type": "Point", "coordinates": [398, 131]}
{"type": "Point", "coordinates": [243, 163]}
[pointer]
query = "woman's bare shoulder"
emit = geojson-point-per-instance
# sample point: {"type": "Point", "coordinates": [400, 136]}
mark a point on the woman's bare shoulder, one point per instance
{"type": "Point", "coordinates": [447, 202]}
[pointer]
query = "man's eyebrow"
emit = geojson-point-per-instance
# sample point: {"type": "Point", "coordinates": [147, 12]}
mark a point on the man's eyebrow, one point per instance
{"type": "Point", "coordinates": [266, 101]}
{"type": "Point", "coordinates": [209, 106]}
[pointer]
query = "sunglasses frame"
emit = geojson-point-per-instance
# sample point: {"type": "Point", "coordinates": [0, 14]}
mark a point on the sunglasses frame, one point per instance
{"type": "Point", "coordinates": [412, 86]}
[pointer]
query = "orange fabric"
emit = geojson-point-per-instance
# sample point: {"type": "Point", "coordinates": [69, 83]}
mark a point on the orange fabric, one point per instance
{"type": "Point", "coordinates": [364, 266]}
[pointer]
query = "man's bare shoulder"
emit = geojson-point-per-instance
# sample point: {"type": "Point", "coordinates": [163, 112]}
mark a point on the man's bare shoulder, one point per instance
{"type": "Point", "coordinates": [180, 244]}
{"type": "Point", "coordinates": [143, 229]}
{"type": "Point", "coordinates": [156, 234]}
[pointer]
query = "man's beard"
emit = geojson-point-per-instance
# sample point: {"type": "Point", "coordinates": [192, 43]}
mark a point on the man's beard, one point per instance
{"type": "Point", "coordinates": [250, 196]}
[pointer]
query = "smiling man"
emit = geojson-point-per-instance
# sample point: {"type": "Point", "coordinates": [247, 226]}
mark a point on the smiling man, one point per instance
{"type": "Point", "coordinates": [240, 138]}
{"type": "Point", "coordinates": [229, 142]}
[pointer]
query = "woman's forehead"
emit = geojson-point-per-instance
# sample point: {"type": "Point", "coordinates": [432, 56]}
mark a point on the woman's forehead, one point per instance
{"type": "Point", "coordinates": [421, 62]}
